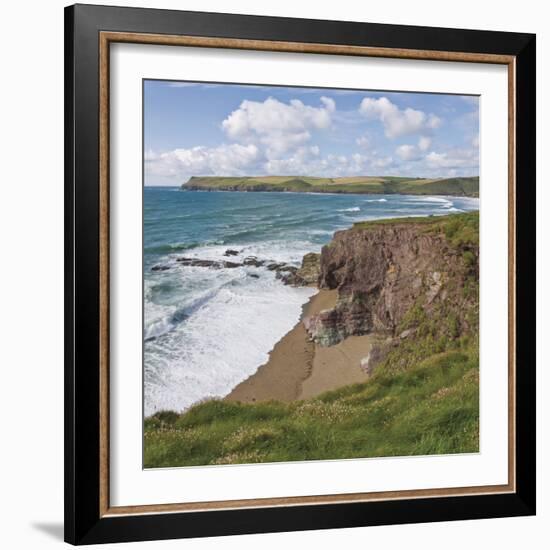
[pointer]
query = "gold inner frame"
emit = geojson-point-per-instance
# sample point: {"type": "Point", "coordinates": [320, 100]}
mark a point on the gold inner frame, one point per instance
{"type": "Point", "coordinates": [105, 39]}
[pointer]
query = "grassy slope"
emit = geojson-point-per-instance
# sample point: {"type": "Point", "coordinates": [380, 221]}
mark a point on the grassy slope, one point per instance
{"type": "Point", "coordinates": [428, 409]}
{"type": "Point", "coordinates": [358, 184]}
{"type": "Point", "coordinates": [423, 399]}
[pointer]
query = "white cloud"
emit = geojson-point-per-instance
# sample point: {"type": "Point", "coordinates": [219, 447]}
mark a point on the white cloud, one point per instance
{"type": "Point", "coordinates": [150, 155]}
{"type": "Point", "coordinates": [238, 159]}
{"type": "Point", "coordinates": [381, 163]}
{"type": "Point", "coordinates": [329, 103]}
{"type": "Point", "coordinates": [416, 160]}
{"type": "Point", "coordinates": [414, 152]}
{"type": "Point", "coordinates": [407, 152]}
{"type": "Point", "coordinates": [398, 122]}
{"type": "Point", "coordinates": [368, 164]}
{"type": "Point", "coordinates": [308, 161]}
{"type": "Point", "coordinates": [424, 143]}
{"type": "Point", "coordinates": [454, 159]}
{"type": "Point", "coordinates": [227, 160]}
{"type": "Point", "coordinates": [280, 137]}
{"type": "Point", "coordinates": [303, 161]}
{"type": "Point", "coordinates": [363, 141]}
{"type": "Point", "coordinates": [278, 126]}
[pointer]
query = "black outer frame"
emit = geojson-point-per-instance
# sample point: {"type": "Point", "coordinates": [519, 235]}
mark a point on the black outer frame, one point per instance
{"type": "Point", "coordinates": [83, 524]}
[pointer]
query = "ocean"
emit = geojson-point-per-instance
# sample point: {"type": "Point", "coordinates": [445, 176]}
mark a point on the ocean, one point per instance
{"type": "Point", "coordinates": [206, 330]}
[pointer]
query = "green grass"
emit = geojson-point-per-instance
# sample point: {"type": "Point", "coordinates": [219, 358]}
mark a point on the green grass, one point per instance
{"type": "Point", "coordinates": [431, 408]}
{"type": "Point", "coordinates": [460, 230]}
{"type": "Point", "coordinates": [466, 186]}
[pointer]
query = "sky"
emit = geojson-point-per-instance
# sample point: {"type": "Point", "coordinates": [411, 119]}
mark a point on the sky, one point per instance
{"type": "Point", "coordinates": [205, 129]}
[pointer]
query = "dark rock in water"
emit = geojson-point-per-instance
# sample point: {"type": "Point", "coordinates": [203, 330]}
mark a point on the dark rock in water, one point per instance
{"type": "Point", "coordinates": [196, 262]}
{"type": "Point", "coordinates": [286, 269]}
{"type": "Point", "coordinates": [254, 275]}
{"type": "Point", "coordinates": [287, 275]}
{"type": "Point", "coordinates": [160, 268]}
{"type": "Point", "coordinates": [215, 264]}
{"type": "Point", "coordinates": [206, 263]}
{"type": "Point", "coordinates": [275, 266]}
{"type": "Point", "coordinates": [186, 261]}
{"type": "Point", "coordinates": [231, 252]}
{"type": "Point", "coordinates": [253, 261]}
{"type": "Point", "coordinates": [291, 278]}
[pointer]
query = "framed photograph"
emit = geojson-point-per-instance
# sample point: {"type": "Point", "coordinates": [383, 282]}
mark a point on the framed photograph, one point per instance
{"type": "Point", "coordinates": [300, 274]}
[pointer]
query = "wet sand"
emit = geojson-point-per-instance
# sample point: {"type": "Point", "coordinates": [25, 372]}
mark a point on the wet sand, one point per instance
{"type": "Point", "coordinates": [299, 369]}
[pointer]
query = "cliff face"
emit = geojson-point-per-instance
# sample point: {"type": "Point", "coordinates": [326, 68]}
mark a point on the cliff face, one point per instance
{"type": "Point", "coordinates": [393, 277]}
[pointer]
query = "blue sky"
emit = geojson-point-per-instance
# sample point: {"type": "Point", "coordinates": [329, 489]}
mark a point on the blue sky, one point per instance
{"type": "Point", "coordinates": [232, 130]}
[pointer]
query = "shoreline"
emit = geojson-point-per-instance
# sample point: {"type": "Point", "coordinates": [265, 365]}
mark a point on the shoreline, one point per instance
{"type": "Point", "coordinates": [298, 368]}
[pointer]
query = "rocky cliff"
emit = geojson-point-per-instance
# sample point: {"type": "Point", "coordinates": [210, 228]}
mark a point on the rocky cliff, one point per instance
{"type": "Point", "coordinates": [401, 279]}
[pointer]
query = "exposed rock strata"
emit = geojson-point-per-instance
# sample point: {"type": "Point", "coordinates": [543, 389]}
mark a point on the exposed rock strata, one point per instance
{"type": "Point", "coordinates": [382, 273]}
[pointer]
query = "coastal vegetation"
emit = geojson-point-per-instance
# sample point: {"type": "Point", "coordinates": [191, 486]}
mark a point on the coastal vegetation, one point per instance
{"type": "Point", "coordinates": [459, 186]}
{"type": "Point", "coordinates": [412, 284]}
{"type": "Point", "coordinates": [430, 408]}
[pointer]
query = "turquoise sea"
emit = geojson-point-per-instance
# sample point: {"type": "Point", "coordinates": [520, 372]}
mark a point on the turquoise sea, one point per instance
{"type": "Point", "coordinates": [205, 329]}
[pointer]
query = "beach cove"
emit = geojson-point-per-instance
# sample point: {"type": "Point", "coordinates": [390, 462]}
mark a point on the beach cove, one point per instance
{"type": "Point", "coordinates": [298, 368]}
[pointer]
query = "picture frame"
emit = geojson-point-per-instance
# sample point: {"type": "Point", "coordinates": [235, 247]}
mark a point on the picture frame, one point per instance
{"type": "Point", "coordinates": [90, 32]}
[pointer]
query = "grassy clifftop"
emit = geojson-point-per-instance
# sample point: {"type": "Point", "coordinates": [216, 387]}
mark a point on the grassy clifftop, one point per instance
{"type": "Point", "coordinates": [466, 186]}
{"type": "Point", "coordinates": [459, 229]}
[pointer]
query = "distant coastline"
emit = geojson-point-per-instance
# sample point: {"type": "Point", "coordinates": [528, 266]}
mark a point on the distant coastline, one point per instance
{"type": "Point", "coordinates": [368, 185]}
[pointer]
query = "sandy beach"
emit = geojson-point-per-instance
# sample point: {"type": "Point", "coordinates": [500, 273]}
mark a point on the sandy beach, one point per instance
{"type": "Point", "coordinates": [299, 369]}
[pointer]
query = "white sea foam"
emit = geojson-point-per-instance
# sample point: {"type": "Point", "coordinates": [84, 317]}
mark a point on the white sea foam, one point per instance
{"type": "Point", "coordinates": [376, 200]}
{"type": "Point", "coordinates": [353, 209]}
{"type": "Point", "coordinates": [445, 203]}
{"type": "Point", "coordinates": [429, 199]}
{"type": "Point", "coordinates": [224, 341]}
{"type": "Point", "coordinates": [207, 330]}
